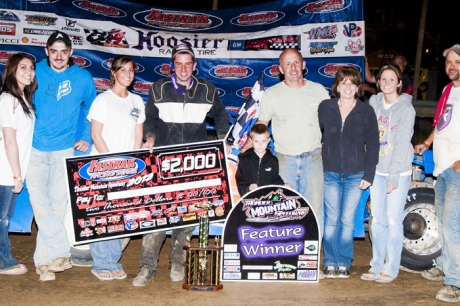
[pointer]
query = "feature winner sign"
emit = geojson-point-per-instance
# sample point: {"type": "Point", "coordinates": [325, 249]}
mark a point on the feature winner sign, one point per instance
{"type": "Point", "coordinates": [271, 235]}
{"type": "Point", "coordinates": [132, 193]}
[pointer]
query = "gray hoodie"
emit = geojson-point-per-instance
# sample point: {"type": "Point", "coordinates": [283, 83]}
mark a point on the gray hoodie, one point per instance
{"type": "Point", "coordinates": [396, 127]}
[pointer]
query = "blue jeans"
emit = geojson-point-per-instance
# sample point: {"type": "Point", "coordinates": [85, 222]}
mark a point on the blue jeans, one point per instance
{"type": "Point", "coordinates": [447, 201]}
{"type": "Point", "coordinates": [106, 255]}
{"type": "Point", "coordinates": [305, 173]}
{"type": "Point", "coordinates": [387, 224]}
{"type": "Point", "coordinates": [47, 187]}
{"type": "Point", "coordinates": [7, 203]}
{"type": "Point", "coordinates": [151, 246]}
{"type": "Point", "coordinates": [341, 200]}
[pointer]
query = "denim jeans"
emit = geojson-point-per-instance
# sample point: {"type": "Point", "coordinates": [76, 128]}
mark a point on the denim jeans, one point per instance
{"type": "Point", "coordinates": [7, 203]}
{"type": "Point", "coordinates": [447, 201]}
{"type": "Point", "coordinates": [106, 255]}
{"type": "Point", "coordinates": [47, 187]}
{"type": "Point", "coordinates": [305, 173]}
{"type": "Point", "coordinates": [387, 224]}
{"type": "Point", "coordinates": [151, 246]}
{"type": "Point", "coordinates": [341, 200]}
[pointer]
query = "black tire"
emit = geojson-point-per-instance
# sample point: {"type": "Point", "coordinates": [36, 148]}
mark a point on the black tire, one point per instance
{"type": "Point", "coordinates": [81, 256]}
{"type": "Point", "coordinates": [422, 236]}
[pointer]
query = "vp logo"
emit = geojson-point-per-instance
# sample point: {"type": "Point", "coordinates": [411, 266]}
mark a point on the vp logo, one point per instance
{"type": "Point", "coordinates": [352, 30]}
{"type": "Point", "coordinates": [62, 90]}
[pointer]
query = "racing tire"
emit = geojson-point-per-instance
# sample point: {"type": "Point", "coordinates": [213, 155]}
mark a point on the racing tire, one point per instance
{"type": "Point", "coordinates": [81, 255]}
{"type": "Point", "coordinates": [422, 230]}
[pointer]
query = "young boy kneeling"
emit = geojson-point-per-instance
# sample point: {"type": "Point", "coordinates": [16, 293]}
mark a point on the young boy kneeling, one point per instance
{"type": "Point", "coordinates": [257, 166]}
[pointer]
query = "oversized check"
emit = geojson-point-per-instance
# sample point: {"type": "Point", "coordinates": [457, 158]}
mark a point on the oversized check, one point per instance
{"type": "Point", "coordinates": [137, 192]}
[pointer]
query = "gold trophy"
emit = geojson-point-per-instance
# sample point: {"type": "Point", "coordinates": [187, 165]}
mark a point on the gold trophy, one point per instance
{"type": "Point", "coordinates": [203, 261]}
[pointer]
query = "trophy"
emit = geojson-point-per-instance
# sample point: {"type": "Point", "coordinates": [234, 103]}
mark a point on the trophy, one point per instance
{"type": "Point", "coordinates": [202, 260]}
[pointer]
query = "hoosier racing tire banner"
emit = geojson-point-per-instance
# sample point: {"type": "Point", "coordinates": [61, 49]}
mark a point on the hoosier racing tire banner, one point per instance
{"type": "Point", "coordinates": [130, 193]}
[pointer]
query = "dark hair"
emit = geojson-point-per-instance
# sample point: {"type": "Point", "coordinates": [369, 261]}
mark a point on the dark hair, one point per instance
{"type": "Point", "coordinates": [353, 75]}
{"type": "Point", "coordinates": [10, 85]}
{"type": "Point", "coordinates": [259, 129]}
{"type": "Point", "coordinates": [118, 63]}
{"type": "Point", "coordinates": [398, 73]}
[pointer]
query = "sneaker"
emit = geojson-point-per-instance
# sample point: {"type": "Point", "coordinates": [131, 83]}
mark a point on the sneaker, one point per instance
{"type": "Point", "coordinates": [330, 272]}
{"type": "Point", "coordinates": [448, 293]}
{"type": "Point", "coordinates": [177, 272]}
{"type": "Point", "coordinates": [145, 275]}
{"type": "Point", "coordinates": [369, 276]}
{"type": "Point", "coordinates": [60, 264]}
{"type": "Point", "coordinates": [343, 272]}
{"type": "Point", "coordinates": [45, 274]}
{"type": "Point", "coordinates": [433, 274]}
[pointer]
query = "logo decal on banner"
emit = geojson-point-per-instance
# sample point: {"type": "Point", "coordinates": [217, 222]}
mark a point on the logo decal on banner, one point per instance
{"type": "Point", "coordinates": [257, 18]}
{"type": "Point", "coordinates": [99, 8]}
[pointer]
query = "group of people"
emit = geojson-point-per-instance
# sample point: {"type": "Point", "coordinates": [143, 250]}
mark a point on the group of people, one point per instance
{"type": "Point", "coordinates": [340, 145]}
{"type": "Point", "coordinates": [40, 106]}
{"type": "Point", "coordinates": [343, 146]}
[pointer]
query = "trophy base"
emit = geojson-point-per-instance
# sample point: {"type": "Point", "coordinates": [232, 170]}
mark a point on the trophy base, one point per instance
{"type": "Point", "coordinates": [202, 287]}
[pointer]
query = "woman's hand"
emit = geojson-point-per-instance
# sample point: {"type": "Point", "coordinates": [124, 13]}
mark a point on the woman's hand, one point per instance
{"type": "Point", "coordinates": [390, 189]}
{"type": "Point", "coordinates": [364, 185]}
{"type": "Point", "coordinates": [18, 185]}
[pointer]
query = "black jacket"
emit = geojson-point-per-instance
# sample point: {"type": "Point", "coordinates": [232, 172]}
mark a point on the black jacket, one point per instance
{"type": "Point", "coordinates": [253, 170]}
{"type": "Point", "coordinates": [172, 118]}
{"type": "Point", "coordinates": [354, 149]}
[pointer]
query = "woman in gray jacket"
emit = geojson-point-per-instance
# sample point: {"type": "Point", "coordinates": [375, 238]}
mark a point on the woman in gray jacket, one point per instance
{"type": "Point", "coordinates": [395, 116]}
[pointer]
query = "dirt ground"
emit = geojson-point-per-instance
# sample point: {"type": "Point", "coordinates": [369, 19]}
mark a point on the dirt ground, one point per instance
{"type": "Point", "coordinates": [78, 286]}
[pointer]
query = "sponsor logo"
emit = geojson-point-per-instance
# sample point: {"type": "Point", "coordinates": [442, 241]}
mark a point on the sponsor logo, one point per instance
{"type": "Point", "coordinates": [84, 223]}
{"type": "Point", "coordinates": [138, 215]}
{"type": "Point", "coordinates": [9, 16]}
{"type": "Point", "coordinates": [308, 257]}
{"type": "Point", "coordinates": [100, 230]}
{"type": "Point", "coordinates": [81, 61]}
{"type": "Point", "coordinates": [272, 71]}
{"type": "Point", "coordinates": [7, 28]}
{"type": "Point", "coordinates": [269, 276]}
{"type": "Point", "coordinates": [274, 207]}
{"type": "Point", "coordinates": [211, 213]}
{"type": "Point", "coordinates": [5, 56]}
{"type": "Point", "coordinates": [114, 219]}
{"type": "Point", "coordinates": [220, 92]}
{"type": "Point", "coordinates": [189, 217]}
{"type": "Point", "coordinates": [231, 255]}
{"type": "Point", "coordinates": [70, 26]}
{"type": "Point", "coordinates": [174, 219]}
{"type": "Point", "coordinates": [327, 32]}
{"type": "Point", "coordinates": [9, 41]}
{"type": "Point", "coordinates": [324, 6]}
{"type": "Point", "coordinates": [307, 264]}
{"type": "Point", "coordinates": [325, 47]}
{"type": "Point", "coordinates": [41, 20]}
{"type": "Point", "coordinates": [352, 30]}
{"type": "Point", "coordinates": [163, 69]}
{"type": "Point", "coordinates": [187, 21]}
{"type": "Point", "coordinates": [257, 18]}
{"type": "Point", "coordinates": [131, 225]}
{"type": "Point", "coordinates": [231, 262]}
{"type": "Point", "coordinates": [111, 168]}
{"type": "Point", "coordinates": [287, 275]}
{"type": "Point", "coordinates": [101, 84]}
{"type": "Point", "coordinates": [182, 209]}
{"type": "Point", "coordinates": [101, 221]}
{"type": "Point", "coordinates": [38, 31]}
{"type": "Point", "coordinates": [231, 71]}
{"type": "Point", "coordinates": [114, 38]}
{"type": "Point", "coordinates": [142, 88]}
{"type": "Point", "coordinates": [115, 228]}
{"type": "Point", "coordinates": [219, 210]}
{"type": "Point", "coordinates": [354, 47]}
{"type": "Point", "coordinates": [86, 233]}
{"type": "Point", "coordinates": [330, 70]}
{"type": "Point", "coordinates": [220, 202]}
{"type": "Point", "coordinates": [232, 275]}
{"type": "Point", "coordinates": [306, 274]}
{"type": "Point", "coordinates": [147, 224]}
{"type": "Point", "coordinates": [99, 8]}
{"type": "Point", "coordinates": [169, 210]}
{"type": "Point", "coordinates": [157, 212]}
{"type": "Point", "coordinates": [162, 221]}
{"type": "Point", "coordinates": [232, 269]}
{"type": "Point", "coordinates": [278, 266]}
{"type": "Point", "coordinates": [279, 43]}
{"type": "Point", "coordinates": [244, 93]}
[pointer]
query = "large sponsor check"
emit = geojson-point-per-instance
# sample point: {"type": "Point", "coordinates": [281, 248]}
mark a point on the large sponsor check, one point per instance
{"type": "Point", "coordinates": [137, 192]}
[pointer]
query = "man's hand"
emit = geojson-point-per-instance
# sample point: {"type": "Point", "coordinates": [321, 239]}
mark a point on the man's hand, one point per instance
{"type": "Point", "coordinates": [148, 145]}
{"type": "Point", "coordinates": [18, 184]}
{"type": "Point", "coordinates": [364, 184]}
{"type": "Point", "coordinates": [390, 189]}
{"type": "Point", "coordinates": [420, 148]}
{"type": "Point", "coordinates": [81, 145]}
{"type": "Point", "coordinates": [252, 187]}
{"type": "Point", "coordinates": [288, 185]}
